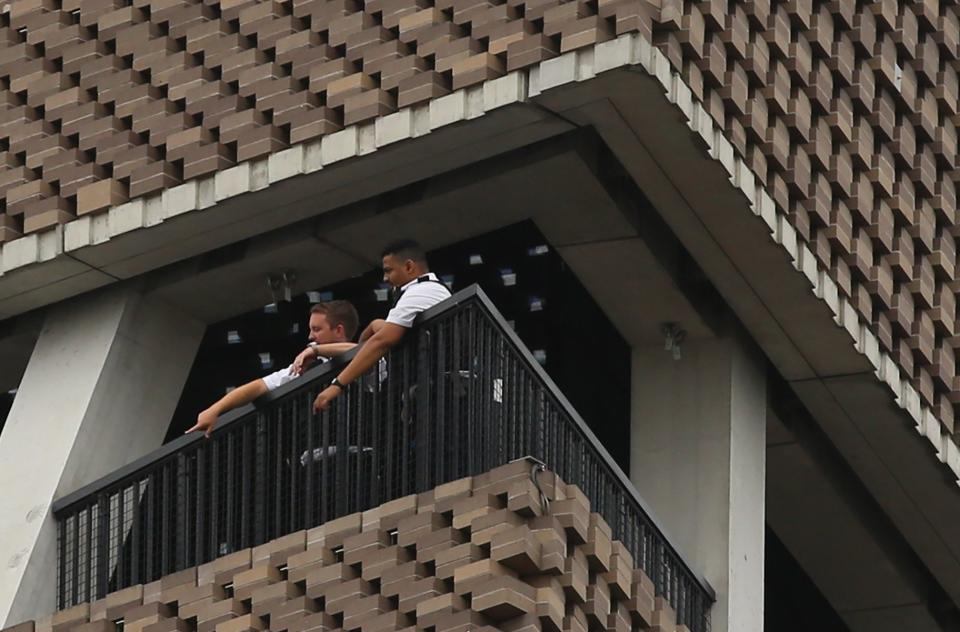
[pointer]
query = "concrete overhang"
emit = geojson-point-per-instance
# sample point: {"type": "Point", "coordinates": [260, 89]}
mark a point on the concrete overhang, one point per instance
{"type": "Point", "coordinates": [338, 215]}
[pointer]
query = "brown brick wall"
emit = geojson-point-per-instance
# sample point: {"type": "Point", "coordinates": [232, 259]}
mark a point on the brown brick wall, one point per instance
{"type": "Point", "coordinates": [475, 554]}
{"type": "Point", "coordinates": [847, 113]}
{"type": "Point", "coordinates": [108, 100]}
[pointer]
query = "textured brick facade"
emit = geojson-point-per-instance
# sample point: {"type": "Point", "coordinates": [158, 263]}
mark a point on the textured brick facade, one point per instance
{"type": "Point", "coordinates": [846, 112]}
{"type": "Point", "coordinates": [108, 100]}
{"type": "Point", "coordinates": [475, 554]}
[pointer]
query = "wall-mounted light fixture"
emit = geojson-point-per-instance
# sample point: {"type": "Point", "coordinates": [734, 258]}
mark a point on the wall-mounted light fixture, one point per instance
{"type": "Point", "coordinates": [673, 336]}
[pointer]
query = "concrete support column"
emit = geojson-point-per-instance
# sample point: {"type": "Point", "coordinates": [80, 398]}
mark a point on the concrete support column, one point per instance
{"type": "Point", "coordinates": [98, 392]}
{"type": "Point", "coordinates": [698, 445]}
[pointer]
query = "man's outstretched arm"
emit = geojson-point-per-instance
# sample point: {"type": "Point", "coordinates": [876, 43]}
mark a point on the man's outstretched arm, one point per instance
{"type": "Point", "coordinates": [387, 336]}
{"type": "Point", "coordinates": [239, 396]}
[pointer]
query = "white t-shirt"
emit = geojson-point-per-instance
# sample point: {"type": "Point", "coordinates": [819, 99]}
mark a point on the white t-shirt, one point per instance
{"type": "Point", "coordinates": [418, 296]}
{"type": "Point", "coordinates": [278, 378]}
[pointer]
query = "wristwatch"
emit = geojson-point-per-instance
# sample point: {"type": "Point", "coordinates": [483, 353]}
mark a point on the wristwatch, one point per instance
{"type": "Point", "coordinates": [315, 347]}
{"type": "Point", "coordinates": [336, 382]}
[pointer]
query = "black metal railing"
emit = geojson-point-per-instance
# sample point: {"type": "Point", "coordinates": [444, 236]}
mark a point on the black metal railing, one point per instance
{"type": "Point", "coordinates": [460, 396]}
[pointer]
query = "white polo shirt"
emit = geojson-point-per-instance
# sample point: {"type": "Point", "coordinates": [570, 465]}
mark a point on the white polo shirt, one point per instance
{"type": "Point", "coordinates": [278, 378]}
{"type": "Point", "coordinates": [417, 296]}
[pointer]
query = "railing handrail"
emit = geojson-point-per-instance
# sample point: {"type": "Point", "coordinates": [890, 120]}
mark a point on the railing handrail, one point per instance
{"type": "Point", "coordinates": [325, 371]}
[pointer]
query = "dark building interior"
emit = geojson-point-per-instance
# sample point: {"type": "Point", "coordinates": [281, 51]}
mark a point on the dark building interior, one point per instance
{"type": "Point", "coordinates": [524, 277]}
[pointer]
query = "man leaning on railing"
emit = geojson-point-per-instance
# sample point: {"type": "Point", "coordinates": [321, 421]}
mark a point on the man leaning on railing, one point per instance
{"type": "Point", "coordinates": [332, 327]}
{"type": "Point", "coordinates": [416, 289]}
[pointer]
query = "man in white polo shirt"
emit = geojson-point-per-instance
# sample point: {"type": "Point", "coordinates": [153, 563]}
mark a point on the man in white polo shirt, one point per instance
{"type": "Point", "coordinates": [332, 325]}
{"type": "Point", "coordinates": [405, 268]}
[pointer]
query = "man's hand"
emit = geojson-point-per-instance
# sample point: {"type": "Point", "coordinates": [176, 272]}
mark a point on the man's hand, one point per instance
{"type": "Point", "coordinates": [205, 422]}
{"type": "Point", "coordinates": [303, 361]}
{"type": "Point", "coordinates": [326, 396]}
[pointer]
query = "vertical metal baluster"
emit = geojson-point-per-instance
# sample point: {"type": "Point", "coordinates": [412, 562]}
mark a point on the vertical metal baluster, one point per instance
{"type": "Point", "coordinates": [355, 438]}
{"type": "Point", "coordinates": [323, 418]}
{"type": "Point", "coordinates": [166, 516]}
{"type": "Point", "coordinates": [75, 566]}
{"type": "Point", "coordinates": [136, 537]}
{"type": "Point", "coordinates": [240, 507]}
{"type": "Point", "coordinates": [276, 500]}
{"type": "Point", "coordinates": [180, 510]}
{"type": "Point", "coordinates": [437, 416]}
{"type": "Point", "coordinates": [89, 579]}
{"type": "Point", "coordinates": [481, 418]}
{"type": "Point", "coordinates": [61, 563]}
{"type": "Point", "coordinates": [339, 460]}
{"type": "Point", "coordinates": [391, 389]}
{"type": "Point", "coordinates": [213, 513]}
{"type": "Point", "coordinates": [420, 408]}
{"type": "Point", "coordinates": [203, 497]}
{"type": "Point", "coordinates": [460, 417]}
{"type": "Point", "coordinates": [310, 490]}
{"type": "Point", "coordinates": [403, 430]}
{"type": "Point", "coordinates": [259, 487]}
{"type": "Point", "coordinates": [103, 544]}
{"type": "Point", "coordinates": [150, 561]}
{"type": "Point", "coordinates": [121, 556]}
{"type": "Point", "coordinates": [375, 425]}
{"type": "Point", "coordinates": [294, 496]}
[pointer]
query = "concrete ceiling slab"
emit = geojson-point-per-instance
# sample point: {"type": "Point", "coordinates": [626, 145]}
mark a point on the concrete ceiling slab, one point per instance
{"type": "Point", "coordinates": [928, 511]}
{"type": "Point", "coordinates": [912, 617]}
{"type": "Point", "coordinates": [80, 280]}
{"type": "Point", "coordinates": [210, 295]}
{"type": "Point", "coordinates": [823, 532]}
{"type": "Point", "coordinates": [629, 300]}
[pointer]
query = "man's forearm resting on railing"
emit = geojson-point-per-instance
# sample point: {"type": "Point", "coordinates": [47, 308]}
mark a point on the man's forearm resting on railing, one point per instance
{"type": "Point", "coordinates": [370, 352]}
{"type": "Point", "coordinates": [372, 328]}
{"type": "Point", "coordinates": [316, 351]}
{"type": "Point", "coordinates": [240, 396]}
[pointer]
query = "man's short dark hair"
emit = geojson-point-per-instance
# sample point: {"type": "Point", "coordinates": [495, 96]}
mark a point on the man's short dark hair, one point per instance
{"type": "Point", "coordinates": [339, 313]}
{"type": "Point", "coordinates": [406, 249]}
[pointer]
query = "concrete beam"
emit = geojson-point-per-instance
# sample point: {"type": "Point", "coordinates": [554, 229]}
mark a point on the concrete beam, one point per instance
{"type": "Point", "coordinates": [698, 435]}
{"type": "Point", "coordinates": [98, 392]}
{"type": "Point", "coordinates": [838, 534]}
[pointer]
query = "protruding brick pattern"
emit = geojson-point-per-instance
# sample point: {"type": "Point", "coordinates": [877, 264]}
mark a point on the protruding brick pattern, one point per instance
{"type": "Point", "coordinates": [846, 114]}
{"type": "Point", "coordinates": [478, 554]}
{"type": "Point", "coordinates": [105, 101]}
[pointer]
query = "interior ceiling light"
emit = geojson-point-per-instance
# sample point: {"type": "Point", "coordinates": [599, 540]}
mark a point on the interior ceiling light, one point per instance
{"type": "Point", "coordinates": [281, 285]}
{"type": "Point", "coordinates": [266, 360]}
